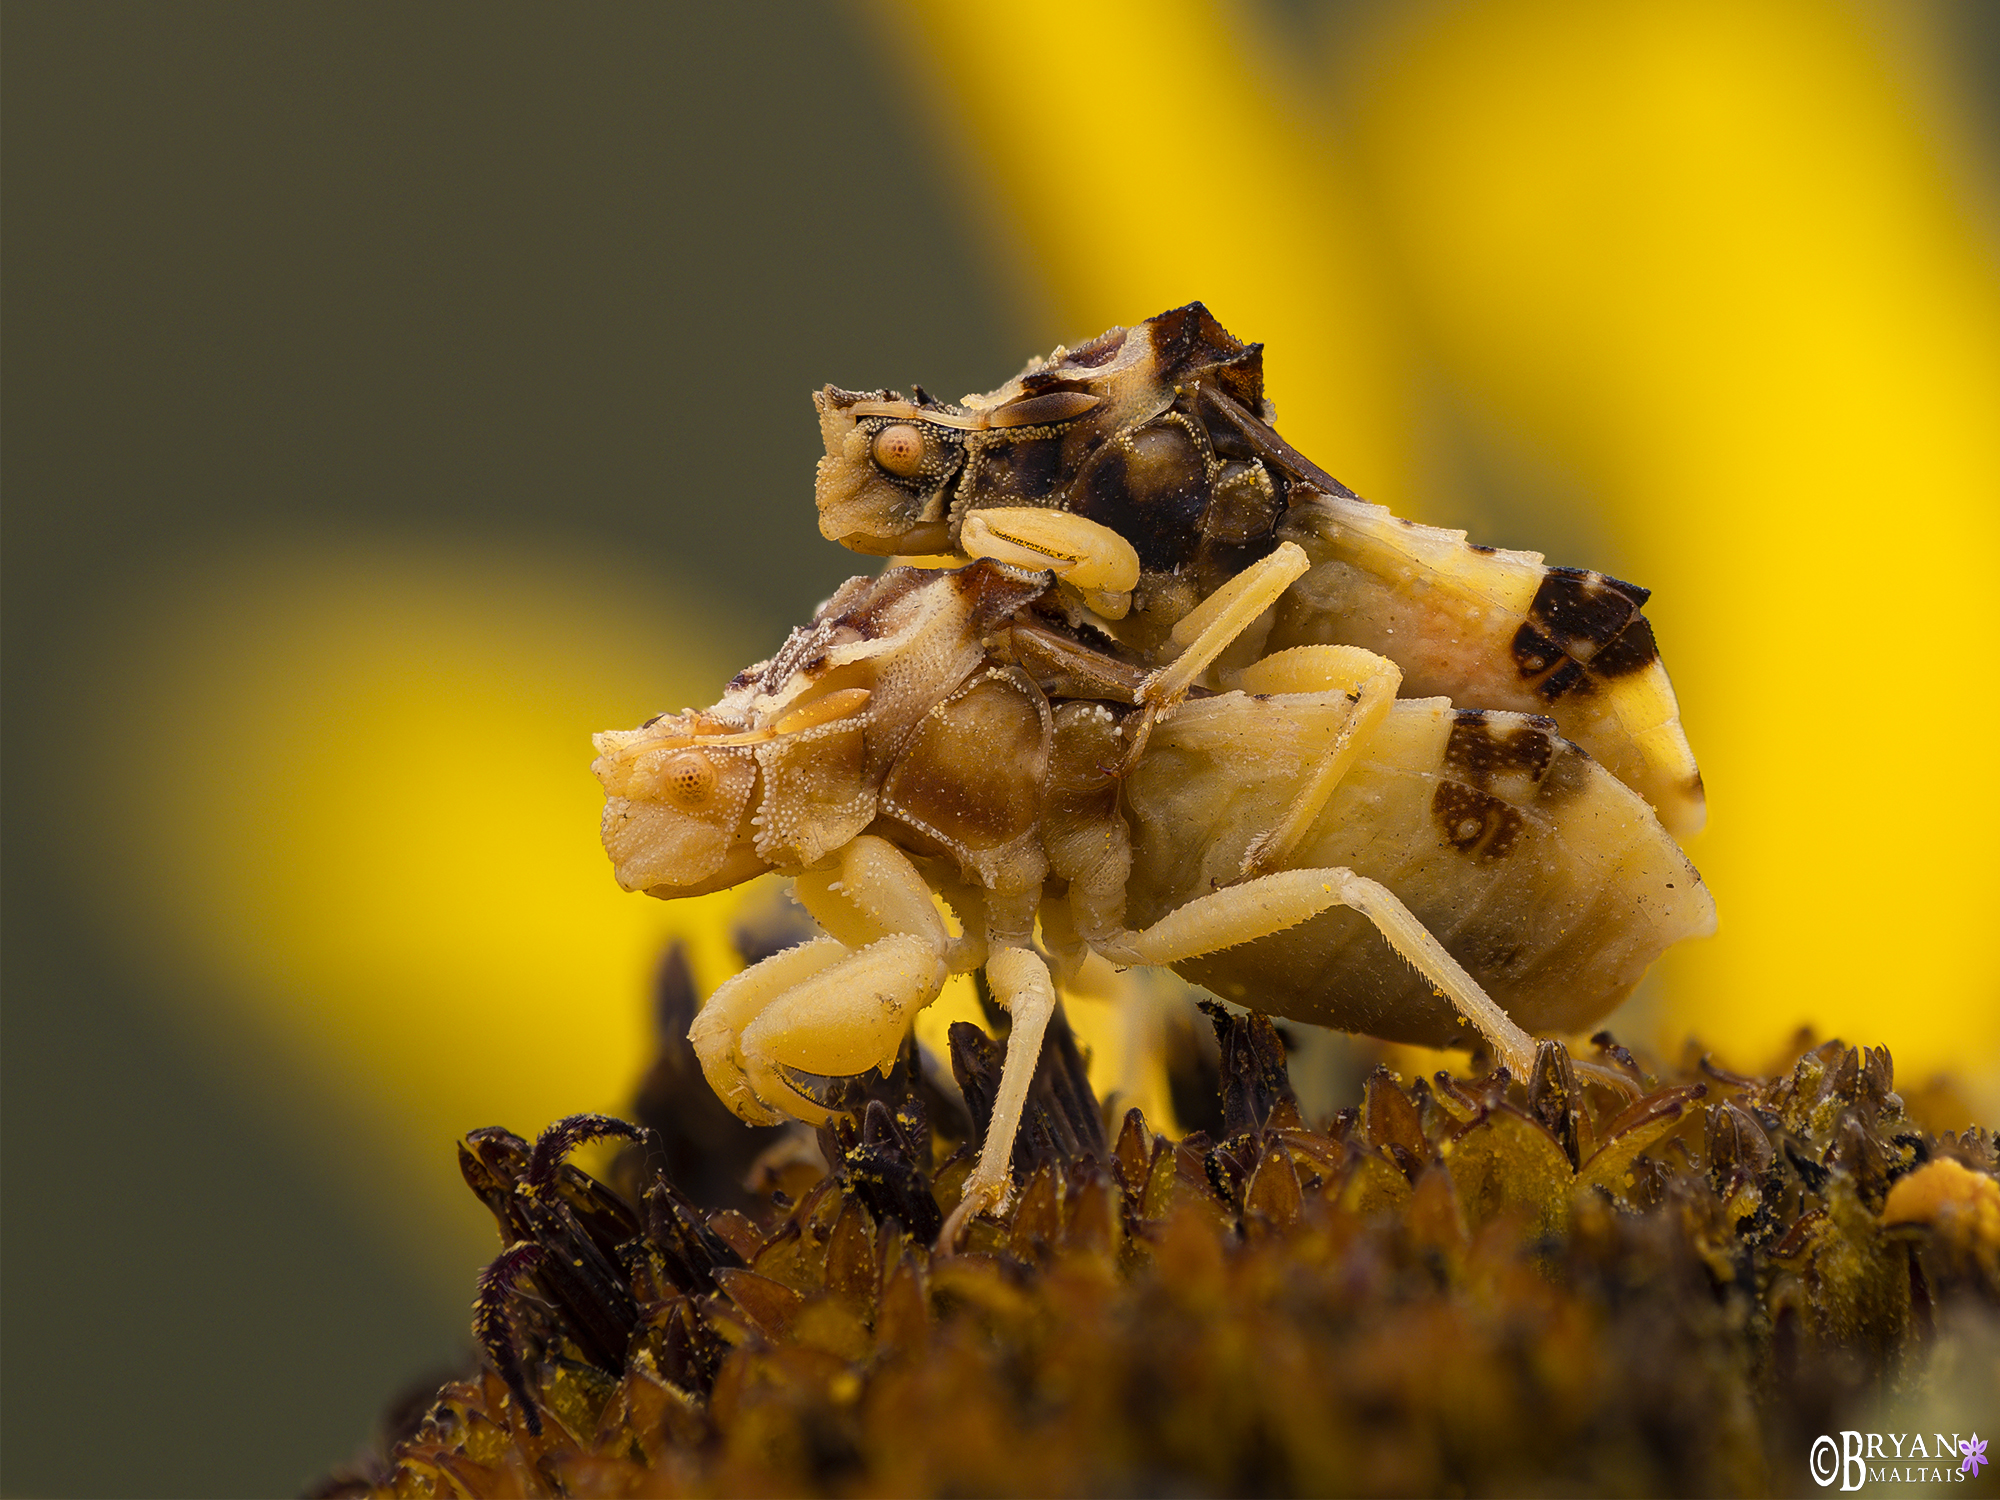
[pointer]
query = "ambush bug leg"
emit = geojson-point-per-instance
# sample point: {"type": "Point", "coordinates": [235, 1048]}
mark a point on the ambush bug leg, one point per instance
{"type": "Point", "coordinates": [1107, 605]}
{"type": "Point", "coordinates": [867, 890]}
{"type": "Point", "coordinates": [1084, 554]}
{"type": "Point", "coordinates": [1021, 985]}
{"type": "Point", "coordinates": [716, 1034]}
{"type": "Point", "coordinates": [1609, 1077]}
{"type": "Point", "coordinates": [837, 1005]}
{"type": "Point", "coordinates": [1369, 680]}
{"type": "Point", "coordinates": [1206, 630]}
{"type": "Point", "coordinates": [849, 1017]}
{"type": "Point", "coordinates": [1136, 732]}
{"type": "Point", "coordinates": [835, 1019]}
{"type": "Point", "coordinates": [1271, 903]}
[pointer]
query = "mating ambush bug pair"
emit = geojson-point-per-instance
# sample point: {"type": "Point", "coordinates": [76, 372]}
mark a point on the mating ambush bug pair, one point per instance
{"type": "Point", "coordinates": [1175, 697]}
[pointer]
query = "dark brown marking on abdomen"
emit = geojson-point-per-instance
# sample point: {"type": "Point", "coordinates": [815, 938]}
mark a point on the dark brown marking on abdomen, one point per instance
{"type": "Point", "coordinates": [1570, 677]}
{"type": "Point", "coordinates": [1475, 754]}
{"type": "Point", "coordinates": [1475, 823]}
{"type": "Point", "coordinates": [1631, 650]}
{"type": "Point", "coordinates": [1534, 653]}
{"type": "Point", "coordinates": [1567, 775]}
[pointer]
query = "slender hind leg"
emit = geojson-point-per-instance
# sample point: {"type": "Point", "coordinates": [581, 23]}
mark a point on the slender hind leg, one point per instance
{"type": "Point", "coordinates": [1271, 903]}
{"type": "Point", "coordinates": [1238, 914]}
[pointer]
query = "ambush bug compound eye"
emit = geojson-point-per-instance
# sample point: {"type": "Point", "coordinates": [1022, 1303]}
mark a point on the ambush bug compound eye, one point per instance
{"type": "Point", "coordinates": [899, 450]}
{"type": "Point", "coordinates": [689, 780]}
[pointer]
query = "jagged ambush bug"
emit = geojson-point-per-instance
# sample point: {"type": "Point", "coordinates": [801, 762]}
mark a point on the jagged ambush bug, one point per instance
{"type": "Point", "coordinates": [1306, 842]}
{"type": "Point", "coordinates": [1143, 468]}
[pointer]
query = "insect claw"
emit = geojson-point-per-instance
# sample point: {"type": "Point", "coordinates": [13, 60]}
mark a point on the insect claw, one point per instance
{"type": "Point", "coordinates": [815, 1088]}
{"type": "Point", "coordinates": [1141, 732]}
{"type": "Point", "coordinates": [978, 1200]}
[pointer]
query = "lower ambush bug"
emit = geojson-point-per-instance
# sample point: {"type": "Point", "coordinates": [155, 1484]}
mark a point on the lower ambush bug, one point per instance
{"type": "Point", "coordinates": [1304, 842]}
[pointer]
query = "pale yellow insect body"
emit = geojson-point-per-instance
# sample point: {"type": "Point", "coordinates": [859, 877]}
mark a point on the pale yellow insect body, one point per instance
{"type": "Point", "coordinates": [1306, 842]}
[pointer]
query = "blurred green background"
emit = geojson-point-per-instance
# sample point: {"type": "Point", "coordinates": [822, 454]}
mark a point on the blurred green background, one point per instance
{"type": "Point", "coordinates": [393, 395]}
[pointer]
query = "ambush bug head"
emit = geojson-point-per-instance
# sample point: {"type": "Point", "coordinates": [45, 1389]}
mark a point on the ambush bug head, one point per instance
{"type": "Point", "coordinates": [889, 462]}
{"type": "Point", "coordinates": [899, 475]}
{"type": "Point", "coordinates": [676, 815]}
{"type": "Point", "coordinates": [881, 486]}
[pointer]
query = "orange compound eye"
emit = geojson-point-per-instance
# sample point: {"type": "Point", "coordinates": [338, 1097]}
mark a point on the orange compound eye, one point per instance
{"type": "Point", "coordinates": [689, 780]}
{"type": "Point", "coordinates": [899, 450]}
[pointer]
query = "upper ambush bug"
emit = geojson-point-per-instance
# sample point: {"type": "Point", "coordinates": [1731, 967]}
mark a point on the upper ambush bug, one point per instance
{"type": "Point", "coordinates": [1143, 468]}
{"type": "Point", "coordinates": [1305, 842]}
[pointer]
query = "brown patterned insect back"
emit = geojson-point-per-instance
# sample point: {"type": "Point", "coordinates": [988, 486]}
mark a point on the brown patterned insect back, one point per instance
{"type": "Point", "coordinates": [1152, 461]}
{"type": "Point", "coordinates": [1093, 432]}
{"type": "Point", "coordinates": [814, 732]}
{"type": "Point", "coordinates": [1305, 841]}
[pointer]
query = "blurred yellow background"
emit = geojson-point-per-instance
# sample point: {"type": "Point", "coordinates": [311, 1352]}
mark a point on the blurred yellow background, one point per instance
{"type": "Point", "coordinates": [1703, 295]}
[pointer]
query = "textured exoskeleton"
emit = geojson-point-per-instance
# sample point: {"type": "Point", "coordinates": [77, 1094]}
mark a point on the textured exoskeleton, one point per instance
{"type": "Point", "coordinates": [1143, 468]}
{"type": "Point", "coordinates": [1307, 842]}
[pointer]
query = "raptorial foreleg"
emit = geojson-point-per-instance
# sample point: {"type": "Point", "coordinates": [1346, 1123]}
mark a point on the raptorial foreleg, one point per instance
{"type": "Point", "coordinates": [834, 1006]}
{"type": "Point", "coordinates": [819, 1008]}
{"type": "Point", "coordinates": [1092, 557]}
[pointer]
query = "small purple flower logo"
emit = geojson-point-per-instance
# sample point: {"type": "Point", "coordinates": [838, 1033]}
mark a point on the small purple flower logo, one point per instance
{"type": "Point", "coordinates": [1975, 1455]}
